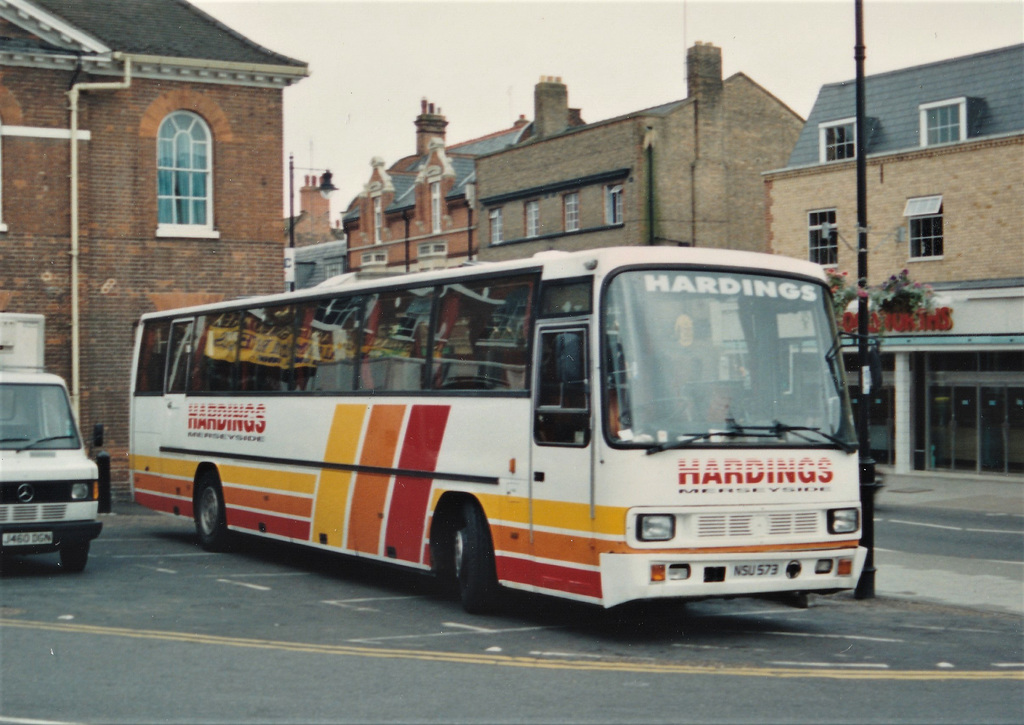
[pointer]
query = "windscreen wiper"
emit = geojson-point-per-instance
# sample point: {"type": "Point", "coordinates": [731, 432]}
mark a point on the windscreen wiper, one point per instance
{"type": "Point", "coordinates": [37, 441]}
{"type": "Point", "coordinates": [733, 431]}
{"type": "Point", "coordinates": [799, 430]}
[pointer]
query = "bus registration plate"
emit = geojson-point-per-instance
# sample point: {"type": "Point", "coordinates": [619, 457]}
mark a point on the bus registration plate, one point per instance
{"type": "Point", "coordinates": [28, 538]}
{"type": "Point", "coordinates": [755, 570]}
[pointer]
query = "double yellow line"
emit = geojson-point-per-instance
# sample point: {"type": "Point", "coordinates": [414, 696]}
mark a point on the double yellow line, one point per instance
{"type": "Point", "coordinates": [660, 668]}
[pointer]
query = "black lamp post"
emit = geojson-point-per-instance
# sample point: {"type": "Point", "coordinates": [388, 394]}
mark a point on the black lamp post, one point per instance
{"type": "Point", "coordinates": [866, 585]}
{"type": "Point", "coordinates": [326, 188]}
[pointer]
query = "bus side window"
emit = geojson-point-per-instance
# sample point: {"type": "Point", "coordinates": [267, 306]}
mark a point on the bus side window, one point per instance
{"type": "Point", "coordinates": [480, 335]}
{"type": "Point", "coordinates": [149, 376]}
{"type": "Point", "coordinates": [562, 415]}
{"type": "Point", "coordinates": [179, 361]}
{"type": "Point", "coordinates": [216, 352]}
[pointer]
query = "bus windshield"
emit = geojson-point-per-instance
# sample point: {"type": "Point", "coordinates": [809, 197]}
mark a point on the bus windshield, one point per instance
{"type": "Point", "coordinates": [721, 358]}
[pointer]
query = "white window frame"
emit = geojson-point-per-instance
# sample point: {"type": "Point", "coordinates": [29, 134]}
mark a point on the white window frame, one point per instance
{"type": "Point", "coordinates": [175, 227]}
{"type": "Point", "coordinates": [613, 204]}
{"type": "Point", "coordinates": [378, 220]}
{"type": "Point", "coordinates": [378, 258]}
{"type": "Point", "coordinates": [823, 145]}
{"type": "Point", "coordinates": [571, 205]}
{"type": "Point", "coordinates": [919, 209]}
{"type": "Point", "coordinates": [435, 207]}
{"type": "Point", "coordinates": [532, 211]}
{"type": "Point", "coordinates": [432, 249]}
{"type": "Point", "coordinates": [497, 221]}
{"type": "Point", "coordinates": [818, 232]}
{"type": "Point", "coordinates": [3, 226]}
{"type": "Point", "coordinates": [961, 111]}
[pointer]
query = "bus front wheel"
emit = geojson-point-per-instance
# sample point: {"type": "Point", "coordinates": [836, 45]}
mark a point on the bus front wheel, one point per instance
{"type": "Point", "coordinates": [210, 518]}
{"type": "Point", "coordinates": [474, 562]}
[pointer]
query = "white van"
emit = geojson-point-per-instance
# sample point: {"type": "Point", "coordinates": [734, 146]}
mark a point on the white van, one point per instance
{"type": "Point", "coordinates": [49, 488]}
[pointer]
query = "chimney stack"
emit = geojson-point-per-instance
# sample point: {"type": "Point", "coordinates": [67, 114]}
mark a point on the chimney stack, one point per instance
{"type": "Point", "coordinates": [704, 71]}
{"type": "Point", "coordinates": [429, 125]}
{"type": "Point", "coordinates": [550, 107]}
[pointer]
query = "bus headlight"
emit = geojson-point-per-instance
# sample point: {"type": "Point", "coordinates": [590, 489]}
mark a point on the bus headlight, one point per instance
{"type": "Point", "coordinates": [655, 527]}
{"type": "Point", "coordinates": [80, 491]}
{"type": "Point", "coordinates": [843, 521]}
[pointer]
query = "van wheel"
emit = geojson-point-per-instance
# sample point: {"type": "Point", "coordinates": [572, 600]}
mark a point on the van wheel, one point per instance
{"type": "Point", "coordinates": [73, 557]}
{"type": "Point", "coordinates": [210, 518]}
{"type": "Point", "coordinates": [474, 562]}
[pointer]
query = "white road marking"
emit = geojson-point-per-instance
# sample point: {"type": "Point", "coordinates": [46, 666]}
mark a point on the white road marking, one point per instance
{"type": "Point", "coordinates": [257, 587]}
{"type": "Point", "coordinates": [861, 665]}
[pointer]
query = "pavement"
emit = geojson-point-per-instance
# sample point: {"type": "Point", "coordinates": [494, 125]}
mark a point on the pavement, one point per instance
{"type": "Point", "coordinates": [993, 585]}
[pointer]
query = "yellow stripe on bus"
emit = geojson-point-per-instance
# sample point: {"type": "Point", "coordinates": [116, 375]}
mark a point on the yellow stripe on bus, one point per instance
{"type": "Point", "coordinates": [332, 492]}
{"type": "Point", "coordinates": [268, 478]}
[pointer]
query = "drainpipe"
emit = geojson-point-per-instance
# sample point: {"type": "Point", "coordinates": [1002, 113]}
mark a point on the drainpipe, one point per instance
{"type": "Point", "coordinates": [73, 94]}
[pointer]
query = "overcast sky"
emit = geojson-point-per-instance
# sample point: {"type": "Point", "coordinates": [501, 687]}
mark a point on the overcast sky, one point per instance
{"type": "Point", "coordinates": [371, 62]}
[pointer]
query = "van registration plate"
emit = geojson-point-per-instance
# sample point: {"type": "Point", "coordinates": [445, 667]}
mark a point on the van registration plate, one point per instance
{"type": "Point", "coordinates": [28, 538]}
{"type": "Point", "coordinates": [755, 570]}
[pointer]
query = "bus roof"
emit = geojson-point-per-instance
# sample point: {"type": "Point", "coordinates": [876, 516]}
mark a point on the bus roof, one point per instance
{"type": "Point", "coordinates": [553, 264]}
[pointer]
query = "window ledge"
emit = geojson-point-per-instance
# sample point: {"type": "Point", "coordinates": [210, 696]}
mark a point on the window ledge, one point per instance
{"type": "Point", "coordinates": [186, 231]}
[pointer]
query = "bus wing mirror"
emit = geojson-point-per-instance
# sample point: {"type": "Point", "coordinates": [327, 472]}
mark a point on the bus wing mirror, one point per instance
{"type": "Point", "coordinates": [97, 435]}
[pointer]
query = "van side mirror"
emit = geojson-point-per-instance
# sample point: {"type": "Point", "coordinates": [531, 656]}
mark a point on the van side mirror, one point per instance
{"type": "Point", "coordinates": [97, 435]}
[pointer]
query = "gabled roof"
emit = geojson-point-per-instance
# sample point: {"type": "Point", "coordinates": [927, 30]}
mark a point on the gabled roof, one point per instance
{"type": "Point", "coordinates": [992, 81]}
{"type": "Point", "coordinates": [161, 34]}
{"type": "Point", "coordinates": [462, 157]}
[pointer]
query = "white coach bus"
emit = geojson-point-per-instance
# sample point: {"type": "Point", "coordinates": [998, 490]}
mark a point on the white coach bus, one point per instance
{"type": "Point", "coordinates": [610, 425]}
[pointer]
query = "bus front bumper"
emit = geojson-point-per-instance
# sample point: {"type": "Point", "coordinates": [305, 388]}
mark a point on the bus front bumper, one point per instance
{"type": "Point", "coordinates": [629, 577]}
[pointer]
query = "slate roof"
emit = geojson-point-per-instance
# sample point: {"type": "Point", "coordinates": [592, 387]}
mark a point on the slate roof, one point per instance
{"type": "Point", "coordinates": [993, 80]}
{"type": "Point", "coordinates": [172, 28]}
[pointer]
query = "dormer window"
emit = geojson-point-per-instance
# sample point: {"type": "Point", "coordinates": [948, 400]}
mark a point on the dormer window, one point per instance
{"type": "Point", "coordinates": [943, 122]}
{"type": "Point", "coordinates": [837, 140]}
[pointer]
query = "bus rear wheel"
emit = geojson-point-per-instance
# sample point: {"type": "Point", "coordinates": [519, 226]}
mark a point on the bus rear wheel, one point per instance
{"type": "Point", "coordinates": [210, 517]}
{"type": "Point", "coordinates": [474, 562]}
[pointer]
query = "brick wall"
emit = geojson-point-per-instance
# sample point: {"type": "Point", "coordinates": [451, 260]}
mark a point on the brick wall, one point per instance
{"type": "Point", "coordinates": [982, 188]}
{"type": "Point", "coordinates": [124, 267]}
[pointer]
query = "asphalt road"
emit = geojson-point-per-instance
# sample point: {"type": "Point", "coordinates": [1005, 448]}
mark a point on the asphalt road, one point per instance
{"type": "Point", "coordinates": [157, 630]}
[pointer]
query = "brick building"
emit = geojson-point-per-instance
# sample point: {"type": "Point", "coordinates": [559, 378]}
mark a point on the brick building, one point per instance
{"type": "Point", "coordinates": [945, 201]}
{"type": "Point", "coordinates": [419, 212]}
{"type": "Point", "coordinates": [320, 247]}
{"type": "Point", "coordinates": [141, 162]}
{"type": "Point", "coordinates": [686, 172]}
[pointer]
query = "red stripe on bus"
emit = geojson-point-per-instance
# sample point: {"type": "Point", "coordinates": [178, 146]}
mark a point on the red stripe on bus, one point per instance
{"type": "Point", "coordinates": [550, 576]}
{"type": "Point", "coordinates": [403, 538]}
{"type": "Point", "coordinates": [261, 521]}
{"type": "Point", "coordinates": [163, 503]}
{"type": "Point", "coordinates": [371, 489]}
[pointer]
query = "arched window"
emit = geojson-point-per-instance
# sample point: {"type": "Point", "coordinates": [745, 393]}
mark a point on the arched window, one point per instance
{"type": "Point", "coordinates": [184, 177]}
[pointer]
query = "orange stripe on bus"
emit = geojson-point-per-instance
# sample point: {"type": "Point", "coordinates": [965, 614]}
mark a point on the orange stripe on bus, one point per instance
{"type": "Point", "coordinates": [159, 484]}
{"type": "Point", "coordinates": [371, 489]}
{"type": "Point", "coordinates": [332, 492]}
{"type": "Point", "coordinates": [275, 503]}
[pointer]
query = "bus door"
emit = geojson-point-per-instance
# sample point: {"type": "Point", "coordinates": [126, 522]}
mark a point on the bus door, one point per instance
{"type": "Point", "coordinates": [179, 366]}
{"type": "Point", "coordinates": [561, 466]}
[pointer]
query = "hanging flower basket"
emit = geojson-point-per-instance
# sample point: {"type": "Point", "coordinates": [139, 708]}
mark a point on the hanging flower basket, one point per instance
{"type": "Point", "coordinates": [900, 295]}
{"type": "Point", "coordinates": [843, 292]}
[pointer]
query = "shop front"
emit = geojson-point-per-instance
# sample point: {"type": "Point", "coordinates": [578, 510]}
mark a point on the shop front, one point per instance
{"type": "Point", "coordinates": [952, 397]}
